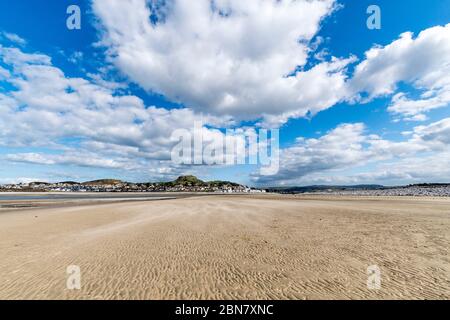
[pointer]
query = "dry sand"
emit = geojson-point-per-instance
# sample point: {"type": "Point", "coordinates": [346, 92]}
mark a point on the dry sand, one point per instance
{"type": "Point", "coordinates": [229, 247]}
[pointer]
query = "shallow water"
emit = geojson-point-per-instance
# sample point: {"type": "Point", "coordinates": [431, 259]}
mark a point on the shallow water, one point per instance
{"type": "Point", "coordinates": [79, 196]}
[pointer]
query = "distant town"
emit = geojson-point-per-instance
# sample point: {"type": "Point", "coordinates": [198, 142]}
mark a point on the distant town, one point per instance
{"type": "Point", "coordinates": [193, 184]}
{"type": "Point", "coordinates": [182, 184]}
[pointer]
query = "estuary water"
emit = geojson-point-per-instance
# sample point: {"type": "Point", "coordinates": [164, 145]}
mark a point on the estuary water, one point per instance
{"type": "Point", "coordinates": [6, 196]}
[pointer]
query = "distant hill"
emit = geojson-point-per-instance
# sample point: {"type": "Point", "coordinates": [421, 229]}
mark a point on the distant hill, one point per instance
{"type": "Point", "coordinates": [185, 181]}
{"type": "Point", "coordinates": [219, 183]}
{"type": "Point", "coordinates": [429, 185]}
{"type": "Point", "coordinates": [36, 183]}
{"type": "Point", "coordinates": [102, 182]}
{"type": "Point", "coordinates": [69, 182]}
{"type": "Point", "coordinates": [190, 180]}
{"type": "Point", "coordinates": [322, 188]}
{"type": "Point", "coordinates": [182, 182]}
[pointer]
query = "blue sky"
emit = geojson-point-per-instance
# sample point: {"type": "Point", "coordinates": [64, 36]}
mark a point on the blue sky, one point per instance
{"type": "Point", "coordinates": [105, 101]}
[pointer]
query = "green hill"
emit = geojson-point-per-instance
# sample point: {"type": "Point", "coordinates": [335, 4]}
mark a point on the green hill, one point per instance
{"type": "Point", "coordinates": [69, 182]}
{"type": "Point", "coordinates": [220, 183]}
{"type": "Point", "coordinates": [35, 183]}
{"type": "Point", "coordinates": [102, 182]}
{"type": "Point", "coordinates": [188, 181]}
{"type": "Point", "coordinates": [191, 180]}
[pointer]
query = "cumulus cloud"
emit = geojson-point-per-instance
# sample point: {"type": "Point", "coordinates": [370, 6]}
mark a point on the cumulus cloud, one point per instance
{"type": "Point", "coordinates": [434, 168]}
{"type": "Point", "coordinates": [416, 109]}
{"type": "Point", "coordinates": [225, 56]}
{"type": "Point", "coordinates": [88, 121]}
{"type": "Point", "coordinates": [437, 133]}
{"type": "Point", "coordinates": [16, 57]}
{"type": "Point", "coordinates": [248, 60]}
{"type": "Point", "coordinates": [422, 61]}
{"type": "Point", "coordinates": [316, 155]}
{"type": "Point", "coordinates": [350, 146]}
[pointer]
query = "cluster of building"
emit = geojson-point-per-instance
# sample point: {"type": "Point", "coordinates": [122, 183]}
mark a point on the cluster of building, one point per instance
{"type": "Point", "coordinates": [179, 185]}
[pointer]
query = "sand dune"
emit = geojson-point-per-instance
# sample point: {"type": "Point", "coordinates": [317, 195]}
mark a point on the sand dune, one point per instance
{"type": "Point", "coordinates": [229, 247]}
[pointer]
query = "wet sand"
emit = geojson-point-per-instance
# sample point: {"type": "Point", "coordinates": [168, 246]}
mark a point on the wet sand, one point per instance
{"type": "Point", "coordinates": [229, 247]}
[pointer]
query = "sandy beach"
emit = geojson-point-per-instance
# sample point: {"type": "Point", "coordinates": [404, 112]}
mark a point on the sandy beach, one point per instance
{"type": "Point", "coordinates": [229, 247]}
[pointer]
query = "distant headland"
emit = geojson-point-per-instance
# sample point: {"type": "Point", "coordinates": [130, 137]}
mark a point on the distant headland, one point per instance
{"type": "Point", "coordinates": [187, 183]}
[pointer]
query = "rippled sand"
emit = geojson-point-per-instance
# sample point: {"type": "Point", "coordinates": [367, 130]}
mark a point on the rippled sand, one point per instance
{"type": "Point", "coordinates": [229, 247]}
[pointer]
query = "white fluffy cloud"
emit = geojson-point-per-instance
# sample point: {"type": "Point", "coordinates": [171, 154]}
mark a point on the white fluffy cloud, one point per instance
{"type": "Point", "coordinates": [434, 168]}
{"type": "Point", "coordinates": [225, 56]}
{"type": "Point", "coordinates": [422, 61]}
{"type": "Point", "coordinates": [86, 123]}
{"type": "Point", "coordinates": [349, 146]}
{"type": "Point", "coordinates": [246, 59]}
{"type": "Point", "coordinates": [437, 133]}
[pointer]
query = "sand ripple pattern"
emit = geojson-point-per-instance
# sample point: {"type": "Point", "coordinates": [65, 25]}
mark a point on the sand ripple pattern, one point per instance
{"type": "Point", "coordinates": [229, 247]}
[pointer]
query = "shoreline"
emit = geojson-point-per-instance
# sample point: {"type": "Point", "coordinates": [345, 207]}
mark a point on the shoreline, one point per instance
{"type": "Point", "coordinates": [8, 197]}
{"type": "Point", "coordinates": [41, 200]}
